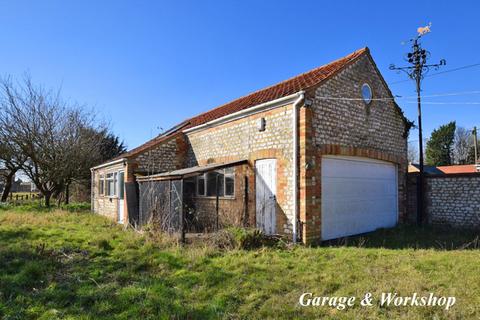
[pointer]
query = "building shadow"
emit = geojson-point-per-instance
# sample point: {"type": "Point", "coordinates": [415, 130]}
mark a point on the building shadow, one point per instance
{"type": "Point", "coordinates": [413, 237]}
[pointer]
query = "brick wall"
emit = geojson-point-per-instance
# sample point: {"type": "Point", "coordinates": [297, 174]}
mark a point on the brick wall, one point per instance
{"type": "Point", "coordinates": [350, 128]}
{"type": "Point", "coordinates": [240, 140]}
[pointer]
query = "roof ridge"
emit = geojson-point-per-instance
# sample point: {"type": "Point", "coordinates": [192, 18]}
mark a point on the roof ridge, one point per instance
{"type": "Point", "coordinates": [356, 52]}
{"type": "Point", "coordinates": [305, 80]}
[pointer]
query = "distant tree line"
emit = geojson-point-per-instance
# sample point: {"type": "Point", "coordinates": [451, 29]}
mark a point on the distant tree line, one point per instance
{"type": "Point", "coordinates": [449, 144]}
{"type": "Point", "coordinates": [50, 140]}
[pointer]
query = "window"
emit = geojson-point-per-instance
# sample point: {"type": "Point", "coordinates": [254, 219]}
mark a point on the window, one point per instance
{"type": "Point", "coordinates": [201, 185]}
{"type": "Point", "coordinates": [121, 183]}
{"type": "Point", "coordinates": [101, 185]}
{"type": "Point", "coordinates": [213, 178]}
{"type": "Point", "coordinates": [207, 183]}
{"type": "Point", "coordinates": [367, 93]}
{"type": "Point", "coordinates": [111, 183]}
{"type": "Point", "coordinates": [229, 182]}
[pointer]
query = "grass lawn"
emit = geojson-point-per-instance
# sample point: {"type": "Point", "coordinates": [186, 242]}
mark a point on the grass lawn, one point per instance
{"type": "Point", "coordinates": [58, 265]}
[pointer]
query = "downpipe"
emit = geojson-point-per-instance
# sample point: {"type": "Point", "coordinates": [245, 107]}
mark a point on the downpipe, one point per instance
{"type": "Point", "coordinates": [296, 104]}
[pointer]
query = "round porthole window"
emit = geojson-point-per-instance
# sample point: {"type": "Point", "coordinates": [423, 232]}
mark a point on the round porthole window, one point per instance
{"type": "Point", "coordinates": [367, 93]}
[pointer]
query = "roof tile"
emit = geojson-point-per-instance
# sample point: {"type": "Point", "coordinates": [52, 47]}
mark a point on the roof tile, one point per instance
{"type": "Point", "coordinates": [282, 89]}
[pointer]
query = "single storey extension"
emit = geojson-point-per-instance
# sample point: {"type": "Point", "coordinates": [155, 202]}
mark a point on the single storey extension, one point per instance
{"type": "Point", "coordinates": [319, 156]}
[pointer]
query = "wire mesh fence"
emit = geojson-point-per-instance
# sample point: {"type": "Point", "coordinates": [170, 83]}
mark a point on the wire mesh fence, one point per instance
{"type": "Point", "coordinates": [161, 205]}
{"type": "Point", "coordinates": [176, 206]}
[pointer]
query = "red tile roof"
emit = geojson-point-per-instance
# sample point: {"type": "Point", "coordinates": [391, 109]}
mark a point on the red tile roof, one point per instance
{"type": "Point", "coordinates": [467, 168]}
{"type": "Point", "coordinates": [282, 89]}
{"type": "Point", "coordinates": [279, 90]}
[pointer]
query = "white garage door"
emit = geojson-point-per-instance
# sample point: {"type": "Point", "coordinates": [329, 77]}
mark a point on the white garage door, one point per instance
{"type": "Point", "coordinates": [358, 195]}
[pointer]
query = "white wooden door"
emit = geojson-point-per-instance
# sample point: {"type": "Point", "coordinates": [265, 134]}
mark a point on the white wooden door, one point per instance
{"type": "Point", "coordinates": [358, 195]}
{"type": "Point", "coordinates": [266, 194]}
{"type": "Point", "coordinates": [121, 196]}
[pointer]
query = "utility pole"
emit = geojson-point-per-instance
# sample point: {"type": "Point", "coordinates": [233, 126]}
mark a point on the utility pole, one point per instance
{"type": "Point", "coordinates": [417, 59]}
{"type": "Point", "coordinates": [475, 145]}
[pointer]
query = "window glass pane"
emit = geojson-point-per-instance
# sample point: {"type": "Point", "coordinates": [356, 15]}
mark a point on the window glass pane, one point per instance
{"type": "Point", "coordinates": [114, 184]}
{"type": "Point", "coordinates": [189, 187]}
{"type": "Point", "coordinates": [229, 185]}
{"type": "Point", "coordinates": [111, 188]}
{"type": "Point", "coordinates": [211, 184]}
{"type": "Point", "coordinates": [201, 185]}
{"type": "Point", "coordinates": [101, 184]}
{"type": "Point", "coordinates": [110, 184]}
{"type": "Point", "coordinates": [221, 184]}
{"type": "Point", "coordinates": [121, 189]}
{"type": "Point", "coordinates": [229, 170]}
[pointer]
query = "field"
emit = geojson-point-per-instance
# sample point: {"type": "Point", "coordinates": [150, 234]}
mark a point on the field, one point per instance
{"type": "Point", "coordinates": [64, 265]}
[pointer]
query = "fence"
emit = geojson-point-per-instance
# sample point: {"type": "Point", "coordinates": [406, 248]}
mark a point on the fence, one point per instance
{"type": "Point", "coordinates": [172, 206]}
{"type": "Point", "coordinates": [161, 203]}
{"type": "Point", "coordinates": [20, 198]}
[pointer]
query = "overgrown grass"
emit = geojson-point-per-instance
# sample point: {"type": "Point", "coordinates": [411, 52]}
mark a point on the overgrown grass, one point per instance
{"type": "Point", "coordinates": [58, 265]}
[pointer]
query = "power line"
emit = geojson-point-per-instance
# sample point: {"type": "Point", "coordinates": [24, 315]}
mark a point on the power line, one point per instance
{"type": "Point", "coordinates": [442, 72]}
{"type": "Point", "coordinates": [436, 102]}
{"type": "Point", "coordinates": [460, 93]}
{"type": "Point", "coordinates": [447, 94]}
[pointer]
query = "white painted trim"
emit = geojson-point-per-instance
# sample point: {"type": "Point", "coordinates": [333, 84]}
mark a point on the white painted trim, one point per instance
{"type": "Point", "coordinates": [248, 112]}
{"type": "Point", "coordinates": [109, 164]}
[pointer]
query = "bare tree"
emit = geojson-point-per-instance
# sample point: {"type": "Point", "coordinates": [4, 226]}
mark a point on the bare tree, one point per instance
{"type": "Point", "coordinates": [55, 139]}
{"type": "Point", "coordinates": [11, 160]}
{"type": "Point", "coordinates": [412, 152]}
{"type": "Point", "coordinates": [462, 146]}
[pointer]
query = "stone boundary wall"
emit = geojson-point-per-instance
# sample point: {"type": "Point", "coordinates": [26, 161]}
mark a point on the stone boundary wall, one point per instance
{"type": "Point", "coordinates": [454, 200]}
{"type": "Point", "coordinates": [451, 200]}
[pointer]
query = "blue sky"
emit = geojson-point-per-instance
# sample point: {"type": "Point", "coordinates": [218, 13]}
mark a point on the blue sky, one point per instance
{"type": "Point", "coordinates": [146, 65]}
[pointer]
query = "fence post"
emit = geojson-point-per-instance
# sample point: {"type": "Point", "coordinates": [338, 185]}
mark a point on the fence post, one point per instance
{"type": "Point", "coordinates": [182, 215]}
{"type": "Point", "coordinates": [245, 214]}
{"type": "Point", "coordinates": [216, 202]}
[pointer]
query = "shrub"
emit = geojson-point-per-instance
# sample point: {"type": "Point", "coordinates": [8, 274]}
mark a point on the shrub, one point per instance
{"type": "Point", "coordinates": [27, 206]}
{"type": "Point", "coordinates": [76, 207]}
{"type": "Point", "coordinates": [243, 238]}
{"type": "Point", "coordinates": [5, 206]}
{"type": "Point", "coordinates": [248, 238]}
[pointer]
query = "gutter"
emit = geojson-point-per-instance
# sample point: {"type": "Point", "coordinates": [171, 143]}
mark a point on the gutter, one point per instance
{"type": "Point", "coordinates": [247, 112]}
{"type": "Point", "coordinates": [109, 164]}
{"type": "Point", "coordinates": [301, 96]}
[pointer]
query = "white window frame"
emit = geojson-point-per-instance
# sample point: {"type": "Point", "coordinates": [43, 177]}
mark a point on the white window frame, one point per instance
{"type": "Point", "coordinates": [205, 184]}
{"type": "Point", "coordinates": [230, 175]}
{"type": "Point", "coordinates": [101, 184]}
{"type": "Point", "coordinates": [114, 179]}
